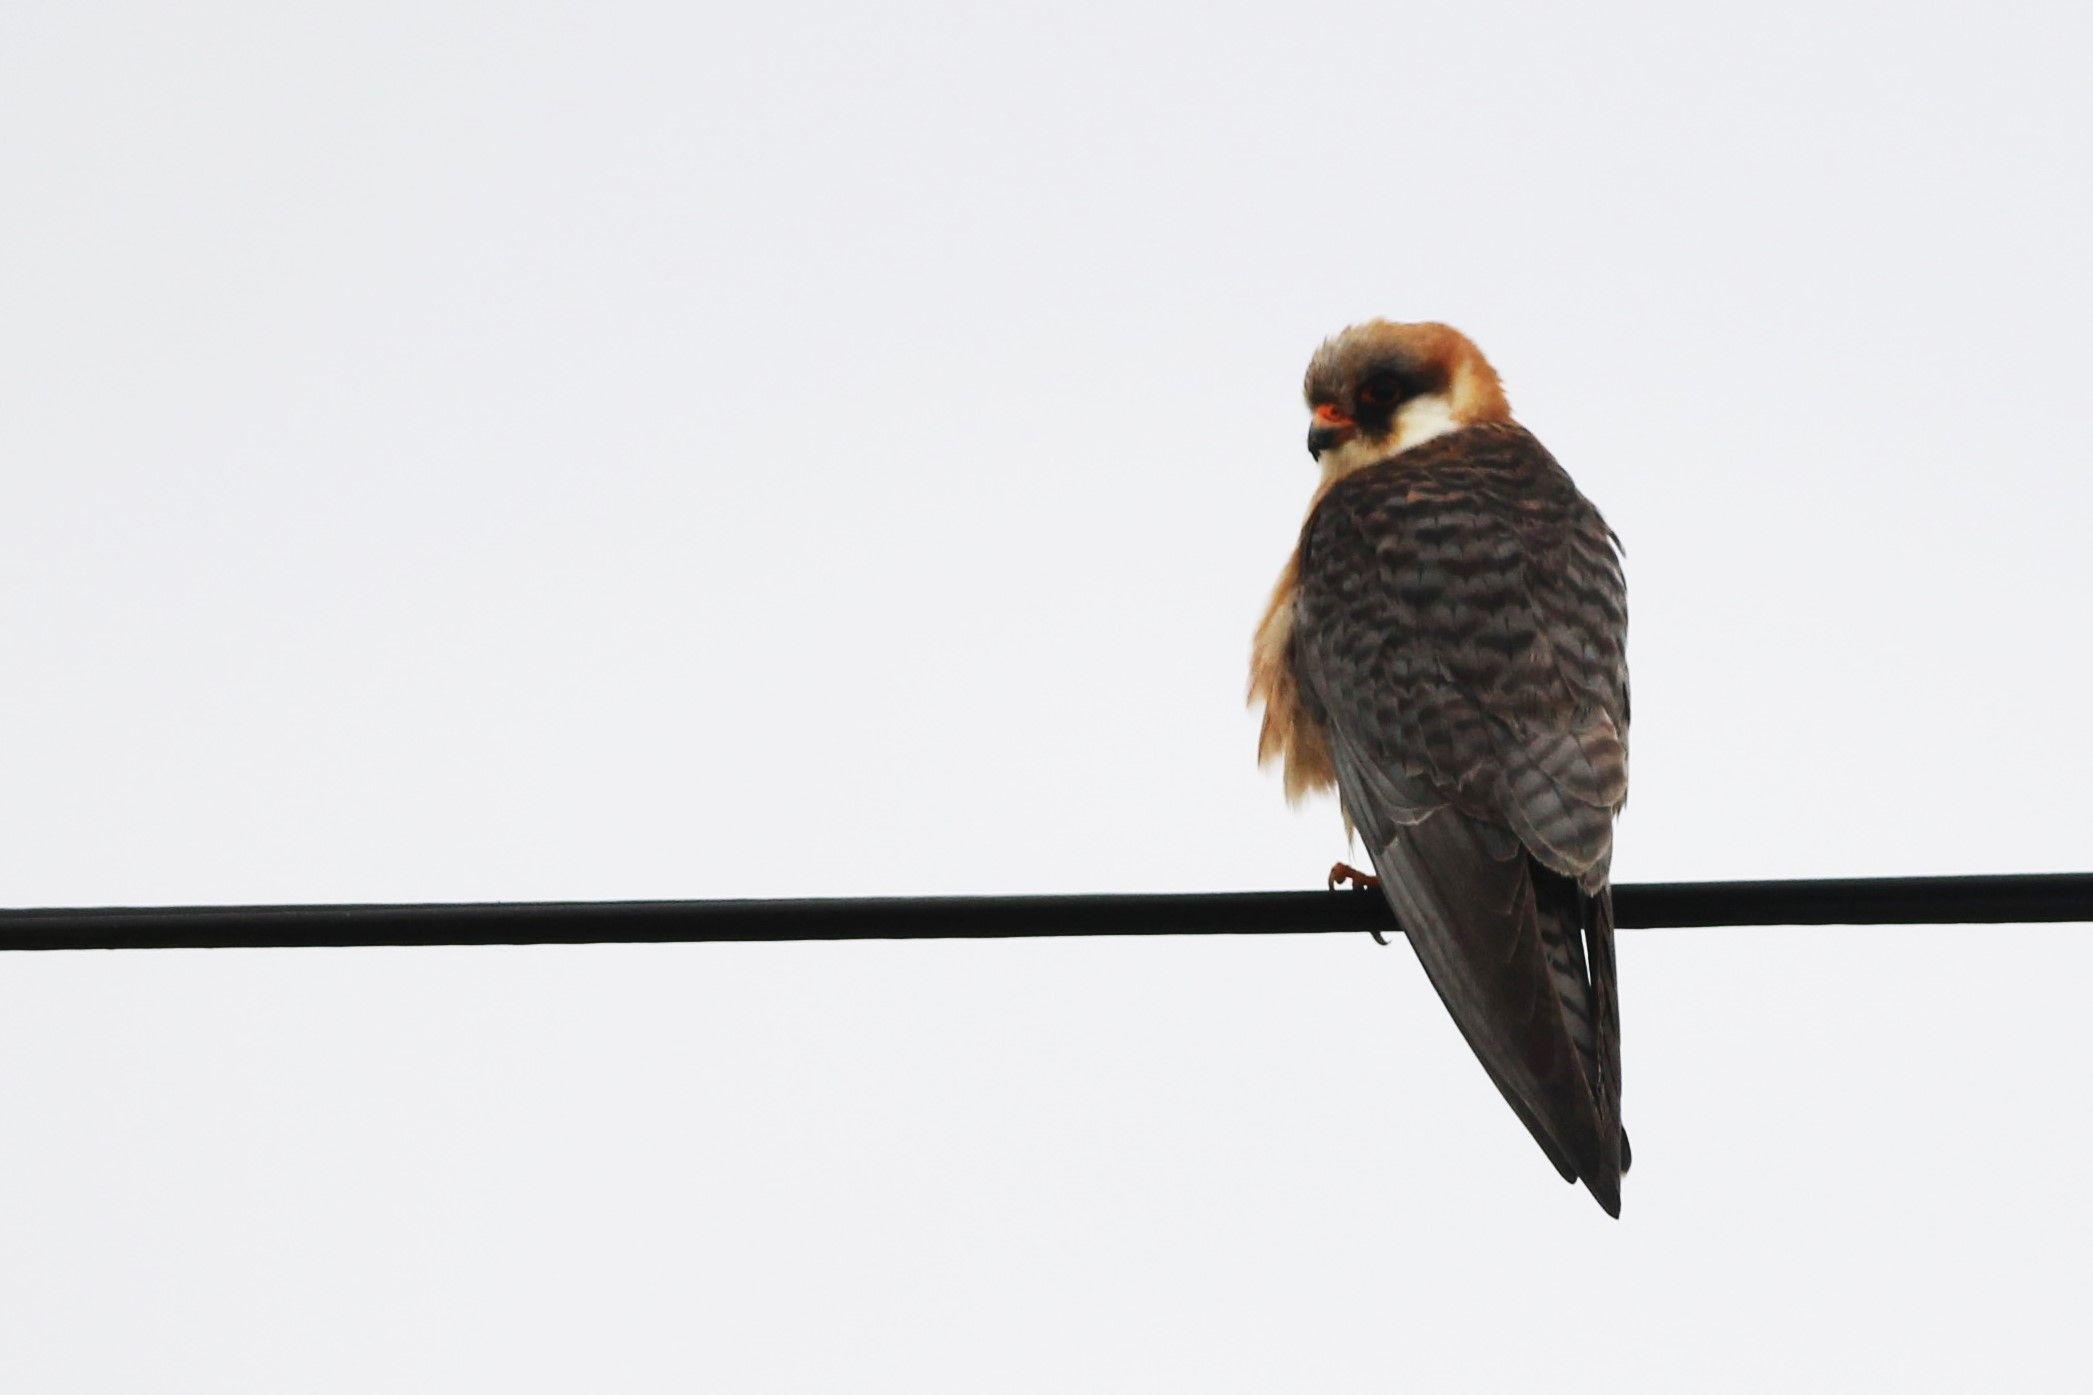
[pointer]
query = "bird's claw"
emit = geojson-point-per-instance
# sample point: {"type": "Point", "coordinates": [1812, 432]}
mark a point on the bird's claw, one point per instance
{"type": "Point", "coordinates": [1344, 874]}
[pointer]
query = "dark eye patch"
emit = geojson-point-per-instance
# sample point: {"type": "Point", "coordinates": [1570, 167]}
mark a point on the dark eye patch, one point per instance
{"type": "Point", "coordinates": [1380, 393]}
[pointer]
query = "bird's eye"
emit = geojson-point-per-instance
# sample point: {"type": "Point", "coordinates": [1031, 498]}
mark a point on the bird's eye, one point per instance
{"type": "Point", "coordinates": [1378, 392]}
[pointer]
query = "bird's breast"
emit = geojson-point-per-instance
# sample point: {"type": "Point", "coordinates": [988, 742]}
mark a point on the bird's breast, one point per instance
{"type": "Point", "coordinates": [1291, 734]}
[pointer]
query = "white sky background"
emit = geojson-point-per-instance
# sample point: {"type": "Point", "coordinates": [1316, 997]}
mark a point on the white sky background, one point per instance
{"type": "Point", "coordinates": [523, 452]}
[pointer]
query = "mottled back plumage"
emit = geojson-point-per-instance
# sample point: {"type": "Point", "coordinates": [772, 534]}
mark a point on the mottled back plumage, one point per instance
{"type": "Point", "coordinates": [1459, 634]}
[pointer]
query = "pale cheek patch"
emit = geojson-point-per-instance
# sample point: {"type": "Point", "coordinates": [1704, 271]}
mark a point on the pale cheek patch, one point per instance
{"type": "Point", "coordinates": [1354, 454]}
{"type": "Point", "coordinates": [1422, 418]}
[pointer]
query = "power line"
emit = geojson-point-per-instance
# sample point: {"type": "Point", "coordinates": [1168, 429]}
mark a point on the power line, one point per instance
{"type": "Point", "coordinates": [1649, 905]}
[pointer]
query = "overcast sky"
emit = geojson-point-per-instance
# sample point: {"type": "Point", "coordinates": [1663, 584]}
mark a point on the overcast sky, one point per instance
{"type": "Point", "coordinates": [525, 451]}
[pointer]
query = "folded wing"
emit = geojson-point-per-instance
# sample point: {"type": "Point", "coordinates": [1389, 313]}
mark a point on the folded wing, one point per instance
{"type": "Point", "coordinates": [1460, 632]}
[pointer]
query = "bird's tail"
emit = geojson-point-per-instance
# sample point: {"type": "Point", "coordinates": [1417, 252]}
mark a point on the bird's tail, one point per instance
{"type": "Point", "coordinates": [1577, 939]}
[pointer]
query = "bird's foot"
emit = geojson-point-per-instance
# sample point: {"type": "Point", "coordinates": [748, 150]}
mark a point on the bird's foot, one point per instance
{"type": "Point", "coordinates": [1345, 874]}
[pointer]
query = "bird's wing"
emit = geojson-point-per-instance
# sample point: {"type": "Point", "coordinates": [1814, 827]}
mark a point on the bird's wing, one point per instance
{"type": "Point", "coordinates": [1460, 629]}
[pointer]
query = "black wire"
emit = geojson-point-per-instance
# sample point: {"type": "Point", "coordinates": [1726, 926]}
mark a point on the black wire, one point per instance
{"type": "Point", "coordinates": [1680, 905]}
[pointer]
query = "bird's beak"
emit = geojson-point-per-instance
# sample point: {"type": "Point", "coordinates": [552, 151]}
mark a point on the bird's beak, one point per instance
{"type": "Point", "coordinates": [1330, 429]}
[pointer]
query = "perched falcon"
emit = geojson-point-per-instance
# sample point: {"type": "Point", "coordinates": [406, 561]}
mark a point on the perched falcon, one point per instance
{"type": "Point", "coordinates": [1446, 649]}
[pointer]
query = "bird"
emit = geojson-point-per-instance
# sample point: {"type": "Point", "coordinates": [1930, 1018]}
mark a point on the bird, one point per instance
{"type": "Point", "coordinates": [1446, 650]}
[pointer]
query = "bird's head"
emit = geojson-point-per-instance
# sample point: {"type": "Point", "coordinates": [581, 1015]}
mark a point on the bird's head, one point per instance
{"type": "Point", "coordinates": [1381, 387]}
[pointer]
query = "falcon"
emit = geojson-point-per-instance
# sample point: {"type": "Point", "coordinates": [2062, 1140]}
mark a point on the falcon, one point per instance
{"type": "Point", "coordinates": [1446, 650]}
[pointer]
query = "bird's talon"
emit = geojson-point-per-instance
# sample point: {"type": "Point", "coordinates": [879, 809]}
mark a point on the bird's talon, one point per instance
{"type": "Point", "coordinates": [1343, 874]}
